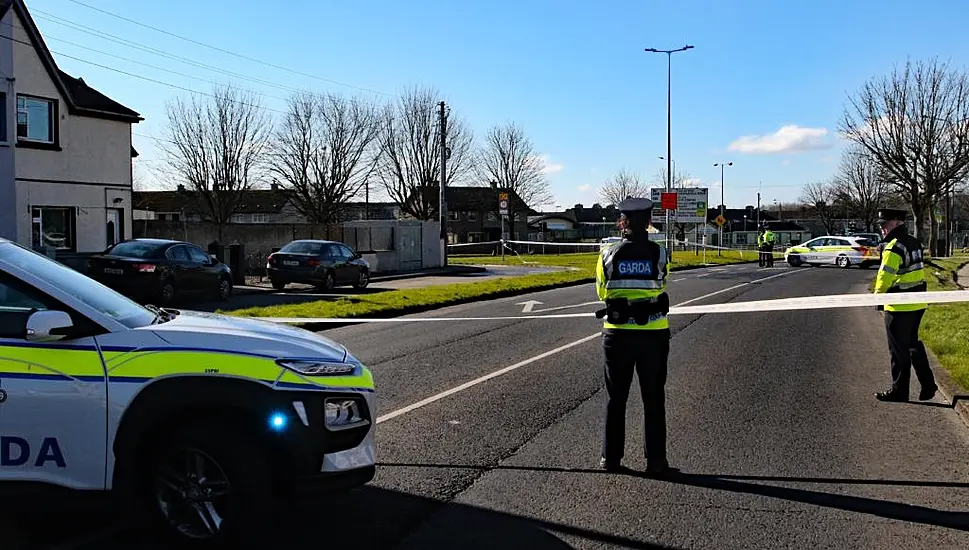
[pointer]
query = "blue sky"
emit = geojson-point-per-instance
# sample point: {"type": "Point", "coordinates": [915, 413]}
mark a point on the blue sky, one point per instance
{"type": "Point", "coordinates": [764, 87]}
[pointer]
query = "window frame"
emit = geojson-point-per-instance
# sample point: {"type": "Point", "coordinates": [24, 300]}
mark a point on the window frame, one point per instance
{"type": "Point", "coordinates": [71, 230]}
{"type": "Point", "coordinates": [53, 123]}
{"type": "Point", "coordinates": [83, 327]}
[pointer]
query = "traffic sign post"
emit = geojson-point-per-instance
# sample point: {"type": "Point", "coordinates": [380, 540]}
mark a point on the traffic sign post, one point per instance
{"type": "Point", "coordinates": [502, 213]}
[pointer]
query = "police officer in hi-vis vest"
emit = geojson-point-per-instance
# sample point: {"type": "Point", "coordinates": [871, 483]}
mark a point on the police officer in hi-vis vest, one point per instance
{"type": "Point", "coordinates": [901, 271]}
{"type": "Point", "coordinates": [631, 279]}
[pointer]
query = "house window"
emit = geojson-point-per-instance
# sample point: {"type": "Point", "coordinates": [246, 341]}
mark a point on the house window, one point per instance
{"type": "Point", "coordinates": [454, 216]}
{"type": "Point", "coordinates": [472, 216]}
{"type": "Point", "coordinates": [35, 119]}
{"type": "Point", "coordinates": [3, 117]}
{"type": "Point", "coordinates": [53, 226]}
{"type": "Point", "coordinates": [260, 217]}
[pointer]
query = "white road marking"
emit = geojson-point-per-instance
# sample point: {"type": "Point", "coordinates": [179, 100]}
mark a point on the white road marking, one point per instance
{"type": "Point", "coordinates": [470, 384]}
{"type": "Point", "coordinates": [528, 306]}
{"type": "Point", "coordinates": [704, 275]}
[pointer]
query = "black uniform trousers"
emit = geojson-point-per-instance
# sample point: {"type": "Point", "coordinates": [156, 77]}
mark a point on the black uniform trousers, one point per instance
{"type": "Point", "coordinates": [646, 352]}
{"type": "Point", "coordinates": [907, 350]}
{"type": "Point", "coordinates": [769, 255]}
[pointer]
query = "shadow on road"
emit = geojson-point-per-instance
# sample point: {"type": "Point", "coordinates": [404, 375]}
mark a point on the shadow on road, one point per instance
{"type": "Point", "coordinates": [367, 517]}
{"type": "Point", "coordinates": [738, 484]}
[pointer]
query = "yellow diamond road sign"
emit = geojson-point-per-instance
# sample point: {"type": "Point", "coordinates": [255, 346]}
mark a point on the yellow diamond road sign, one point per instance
{"type": "Point", "coordinates": [721, 220]}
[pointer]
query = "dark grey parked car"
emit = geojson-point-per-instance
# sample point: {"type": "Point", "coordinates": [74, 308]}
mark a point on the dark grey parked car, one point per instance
{"type": "Point", "coordinates": [324, 264]}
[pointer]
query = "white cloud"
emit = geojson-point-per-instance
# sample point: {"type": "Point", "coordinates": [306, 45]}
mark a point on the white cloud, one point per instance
{"type": "Point", "coordinates": [549, 167]}
{"type": "Point", "coordinates": [788, 139]}
{"type": "Point", "coordinates": [692, 182]}
{"type": "Point", "coordinates": [786, 162]}
{"type": "Point", "coordinates": [585, 187]}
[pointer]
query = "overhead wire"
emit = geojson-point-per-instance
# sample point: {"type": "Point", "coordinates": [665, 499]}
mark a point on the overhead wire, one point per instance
{"type": "Point", "coordinates": [219, 49]}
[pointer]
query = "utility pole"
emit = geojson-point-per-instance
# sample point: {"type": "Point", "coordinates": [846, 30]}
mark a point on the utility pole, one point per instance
{"type": "Point", "coordinates": [443, 198]}
{"type": "Point", "coordinates": [669, 149]}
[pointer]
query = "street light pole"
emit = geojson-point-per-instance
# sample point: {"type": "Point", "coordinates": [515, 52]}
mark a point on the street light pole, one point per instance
{"type": "Point", "coordinates": [721, 165]}
{"type": "Point", "coordinates": [669, 148]}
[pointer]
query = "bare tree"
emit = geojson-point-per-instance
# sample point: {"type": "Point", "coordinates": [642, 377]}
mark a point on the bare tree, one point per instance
{"type": "Point", "coordinates": [322, 152]}
{"type": "Point", "coordinates": [409, 166]}
{"type": "Point", "coordinates": [861, 185]}
{"type": "Point", "coordinates": [216, 148]}
{"type": "Point", "coordinates": [915, 124]}
{"type": "Point", "coordinates": [622, 185]}
{"type": "Point", "coordinates": [509, 162]}
{"type": "Point", "coordinates": [819, 199]}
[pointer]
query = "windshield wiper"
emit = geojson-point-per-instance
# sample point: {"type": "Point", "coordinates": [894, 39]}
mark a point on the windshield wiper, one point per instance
{"type": "Point", "coordinates": [161, 315]}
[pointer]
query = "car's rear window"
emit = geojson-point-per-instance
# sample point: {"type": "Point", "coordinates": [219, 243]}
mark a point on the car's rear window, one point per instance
{"type": "Point", "coordinates": [302, 248]}
{"type": "Point", "coordinates": [867, 242]}
{"type": "Point", "coordinates": [135, 249]}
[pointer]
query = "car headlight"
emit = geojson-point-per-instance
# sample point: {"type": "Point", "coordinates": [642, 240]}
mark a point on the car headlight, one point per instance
{"type": "Point", "coordinates": [342, 413]}
{"type": "Point", "coordinates": [318, 368]}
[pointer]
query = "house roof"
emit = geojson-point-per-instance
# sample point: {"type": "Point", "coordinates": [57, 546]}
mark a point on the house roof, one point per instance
{"type": "Point", "coordinates": [261, 201]}
{"type": "Point", "coordinates": [461, 198]}
{"type": "Point", "coordinates": [81, 99]}
{"type": "Point", "coordinates": [254, 201]}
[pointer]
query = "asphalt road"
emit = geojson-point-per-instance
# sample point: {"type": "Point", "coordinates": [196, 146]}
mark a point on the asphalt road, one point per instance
{"type": "Point", "coordinates": [771, 416]}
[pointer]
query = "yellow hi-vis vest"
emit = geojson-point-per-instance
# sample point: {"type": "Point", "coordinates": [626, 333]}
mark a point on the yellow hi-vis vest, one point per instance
{"type": "Point", "coordinates": [635, 270]}
{"type": "Point", "coordinates": [901, 269]}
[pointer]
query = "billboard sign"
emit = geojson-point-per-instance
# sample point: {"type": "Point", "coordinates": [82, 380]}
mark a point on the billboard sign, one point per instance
{"type": "Point", "coordinates": [691, 204]}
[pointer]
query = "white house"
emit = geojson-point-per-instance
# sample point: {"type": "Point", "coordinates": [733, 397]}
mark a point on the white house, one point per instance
{"type": "Point", "coordinates": [65, 149]}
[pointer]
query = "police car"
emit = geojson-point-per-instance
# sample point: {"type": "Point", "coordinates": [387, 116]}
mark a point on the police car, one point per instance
{"type": "Point", "coordinates": [841, 251]}
{"type": "Point", "coordinates": [197, 419]}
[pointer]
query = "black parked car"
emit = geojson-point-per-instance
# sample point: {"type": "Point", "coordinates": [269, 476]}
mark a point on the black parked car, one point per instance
{"type": "Point", "coordinates": [161, 270]}
{"type": "Point", "coordinates": [324, 264]}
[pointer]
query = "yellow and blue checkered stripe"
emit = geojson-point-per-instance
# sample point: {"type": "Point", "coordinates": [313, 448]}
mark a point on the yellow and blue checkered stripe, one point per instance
{"type": "Point", "coordinates": [139, 365]}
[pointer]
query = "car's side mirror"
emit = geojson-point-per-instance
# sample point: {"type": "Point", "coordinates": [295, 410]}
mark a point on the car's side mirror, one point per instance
{"type": "Point", "coordinates": [48, 326]}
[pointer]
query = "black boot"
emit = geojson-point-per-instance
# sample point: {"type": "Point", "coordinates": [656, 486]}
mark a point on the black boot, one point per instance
{"type": "Point", "coordinates": [892, 395]}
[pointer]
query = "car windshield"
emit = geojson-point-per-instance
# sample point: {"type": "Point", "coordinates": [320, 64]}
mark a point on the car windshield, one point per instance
{"type": "Point", "coordinates": [302, 247]}
{"type": "Point", "coordinates": [79, 286]}
{"type": "Point", "coordinates": [135, 249]}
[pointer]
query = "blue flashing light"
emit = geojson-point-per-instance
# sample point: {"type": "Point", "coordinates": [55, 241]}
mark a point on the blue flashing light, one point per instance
{"type": "Point", "coordinates": [277, 421]}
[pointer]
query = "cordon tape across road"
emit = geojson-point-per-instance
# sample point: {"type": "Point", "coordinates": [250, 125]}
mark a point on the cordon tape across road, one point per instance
{"type": "Point", "coordinates": [779, 304]}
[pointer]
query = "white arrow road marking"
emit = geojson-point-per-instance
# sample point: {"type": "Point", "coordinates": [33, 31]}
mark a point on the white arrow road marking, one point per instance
{"type": "Point", "coordinates": [529, 305]}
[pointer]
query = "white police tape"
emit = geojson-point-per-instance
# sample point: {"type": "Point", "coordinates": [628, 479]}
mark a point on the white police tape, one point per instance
{"type": "Point", "coordinates": [778, 304]}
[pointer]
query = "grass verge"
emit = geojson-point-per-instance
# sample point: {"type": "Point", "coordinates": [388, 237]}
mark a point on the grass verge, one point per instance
{"type": "Point", "coordinates": [401, 302]}
{"type": "Point", "coordinates": [945, 327]}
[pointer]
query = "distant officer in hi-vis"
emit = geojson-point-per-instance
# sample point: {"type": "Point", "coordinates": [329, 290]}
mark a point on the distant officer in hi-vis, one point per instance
{"type": "Point", "coordinates": [631, 279]}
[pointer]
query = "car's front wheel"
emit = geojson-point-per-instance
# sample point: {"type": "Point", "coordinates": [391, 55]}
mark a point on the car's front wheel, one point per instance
{"type": "Point", "coordinates": [210, 486]}
{"type": "Point", "coordinates": [794, 260]}
{"type": "Point", "coordinates": [363, 279]}
{"type": "Point", "coordinates": [225, 288]}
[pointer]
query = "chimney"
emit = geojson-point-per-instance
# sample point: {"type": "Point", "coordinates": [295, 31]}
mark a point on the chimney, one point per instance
{"type": "Point", "coordinates": [274, 186]}
{"type": "Point", "coordinates": [181, 188]}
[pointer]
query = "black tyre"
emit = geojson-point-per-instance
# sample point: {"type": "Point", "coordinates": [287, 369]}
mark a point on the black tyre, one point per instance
{"type": "Point", "coordinates": [225, 288]}
{"type": "Point", "coordinates": [794, 260]}
{"type": "Point", "coordinates": [362, 280]}
{"type": "Point", "coordinates": [278, 285]}
{"type": "Point", "coordinates": [843, 262]}
{"type": "Point", "coordinates": [209, 486]}
{"type": "Point", "coordinates": [329, 282]}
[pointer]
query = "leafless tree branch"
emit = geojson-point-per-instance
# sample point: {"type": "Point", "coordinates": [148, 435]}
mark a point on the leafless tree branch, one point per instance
{"type": "Point", "coordinates": [410, 145]}
{"type": "Point", "coordinates": [509, 162]}
{"type": "Point", "coordinates": [861, 184]}
{"type": "Point", "coordinates": [915, 125]}
{"type": "Point", "coordinates": [324, 153]}
{"type": "Point", "coordinates": [217, 147]}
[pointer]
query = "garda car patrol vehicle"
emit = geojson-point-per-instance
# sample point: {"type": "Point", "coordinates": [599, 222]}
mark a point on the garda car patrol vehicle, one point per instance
{"type": "Point", "coordinates": [198, 418]}
{"type": "Point", "coordinates": [841, 251]}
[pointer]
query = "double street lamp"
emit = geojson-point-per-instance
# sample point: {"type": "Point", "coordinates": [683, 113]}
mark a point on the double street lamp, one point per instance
{"type": "Point", "coordinates": [669, 150]}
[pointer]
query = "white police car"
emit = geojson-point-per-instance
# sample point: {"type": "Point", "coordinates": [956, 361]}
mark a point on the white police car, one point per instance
{"type": "Point", "coordinates": [197, 419]}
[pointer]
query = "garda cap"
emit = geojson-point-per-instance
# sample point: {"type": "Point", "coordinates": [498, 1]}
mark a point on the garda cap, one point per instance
{"type": "Point", "coordinates": [636, 205]}
{"type": "Point", "coordinates": [889, 214]}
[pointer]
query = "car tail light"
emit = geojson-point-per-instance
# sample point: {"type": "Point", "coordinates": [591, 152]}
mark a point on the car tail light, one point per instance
{"type": "Point", "coordinates": [271, 259]}
{"type": "Point", "coordinates": [145, 268]}
{"type": "Point", "coordinates": [313, 262]}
